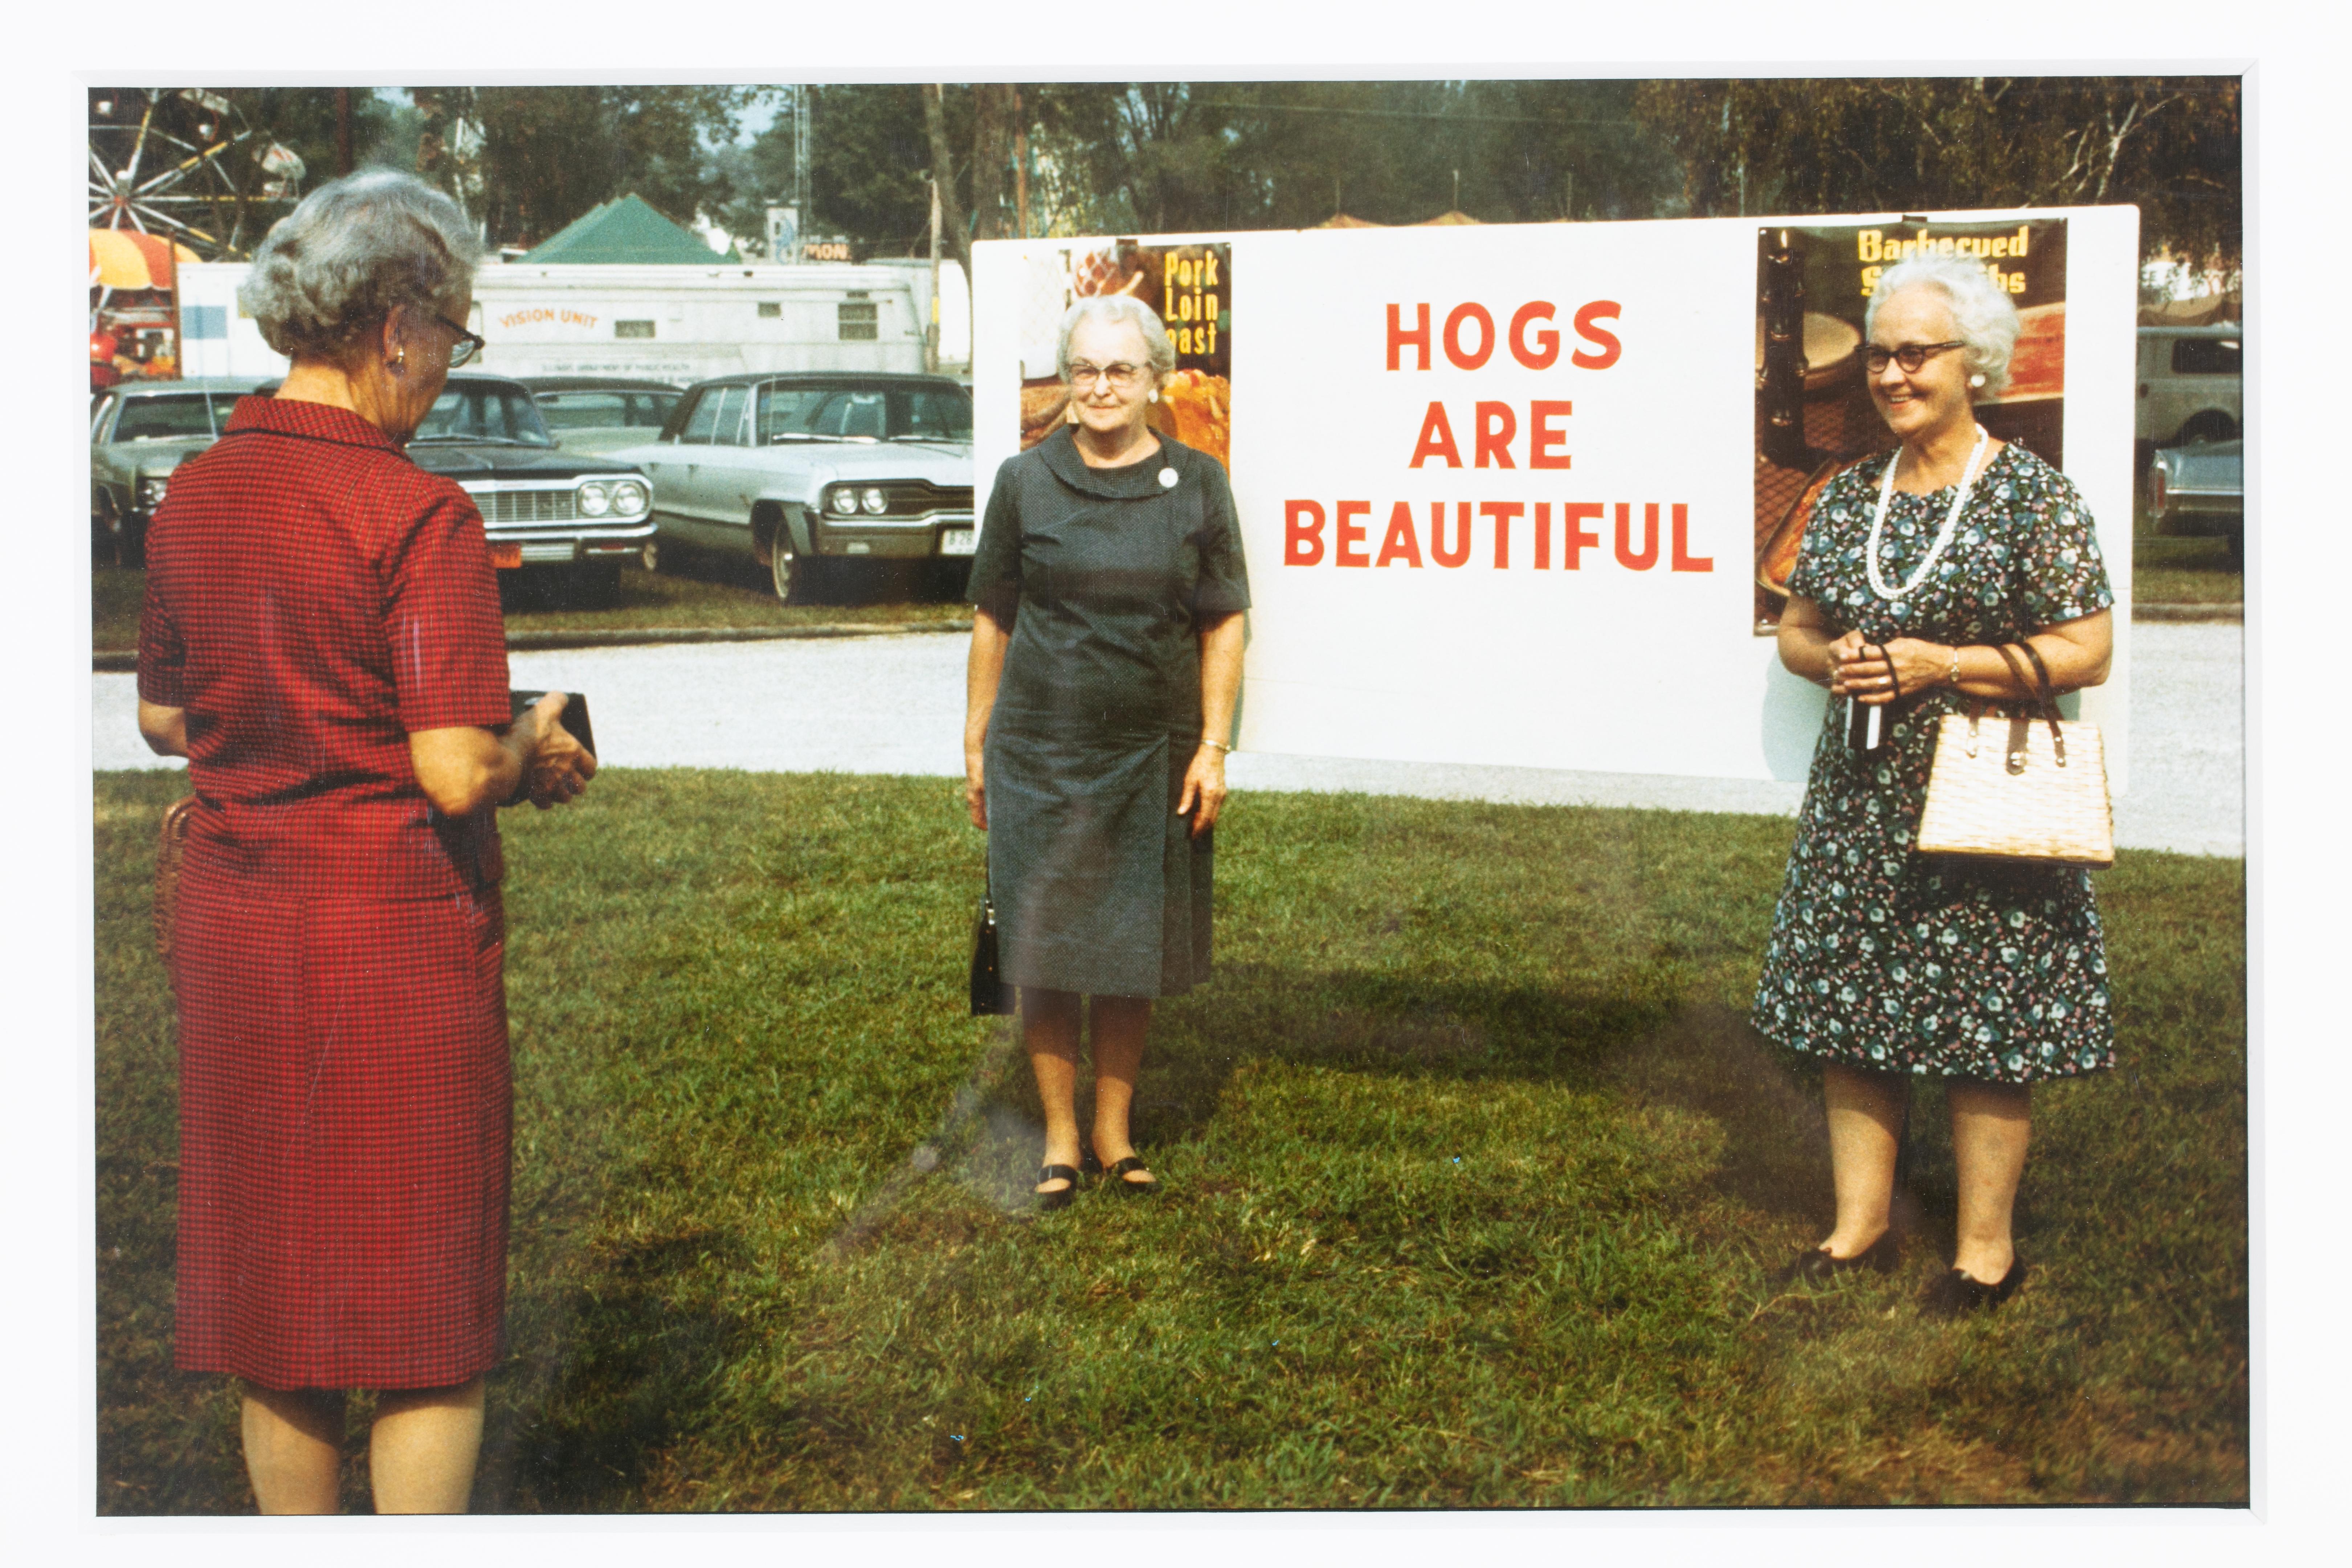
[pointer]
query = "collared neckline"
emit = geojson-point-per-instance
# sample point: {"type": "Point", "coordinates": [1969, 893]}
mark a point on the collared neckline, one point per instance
{"type": "Point", "coordinates": [1129, 482]}
{"type": "Point", "coordinates": [314, 421]}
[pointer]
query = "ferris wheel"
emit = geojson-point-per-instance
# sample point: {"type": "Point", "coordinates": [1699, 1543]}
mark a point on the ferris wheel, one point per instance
{"type": "Point", "coordinates": [184, 164]}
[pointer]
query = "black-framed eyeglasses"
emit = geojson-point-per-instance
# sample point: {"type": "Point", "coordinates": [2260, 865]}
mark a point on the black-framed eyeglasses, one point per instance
{"type": "Point", "coordinates": [1119, 374]}
{"type": "Point", "coordinates": [1910, 356]}
{"type": "Point", "coordinates": [467, 345]}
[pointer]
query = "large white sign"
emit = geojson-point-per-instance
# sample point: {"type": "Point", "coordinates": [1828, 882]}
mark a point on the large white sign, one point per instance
{"type": "Point", "coordinates": [1500, 487]}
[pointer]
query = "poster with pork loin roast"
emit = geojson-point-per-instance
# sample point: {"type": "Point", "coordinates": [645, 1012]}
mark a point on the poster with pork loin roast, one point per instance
{"type": "Point", "coordinates": [1189, 285]}
{"type": "Point", "coordinates": [1814, 417]}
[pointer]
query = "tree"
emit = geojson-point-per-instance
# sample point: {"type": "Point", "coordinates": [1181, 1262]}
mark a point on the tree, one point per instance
{"type": "Point", "coordinates": [526, 160]}
{"type": "Point", "coordinates": [2172, 145]}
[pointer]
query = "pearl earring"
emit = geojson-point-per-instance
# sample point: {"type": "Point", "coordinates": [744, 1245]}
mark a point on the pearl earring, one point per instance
{"type": "Point", "coordinates": [1976, 380]}
{"type": "Point", "coordinates": [1155, 397]}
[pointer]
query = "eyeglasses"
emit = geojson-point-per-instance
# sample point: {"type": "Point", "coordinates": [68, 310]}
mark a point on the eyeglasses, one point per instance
{"type": "Point", "coordinates": [1121, 374]}
{"type": "Point", "coordinates": [467, 345]}
{"type": "Point", "coordinates": [1910, 356]}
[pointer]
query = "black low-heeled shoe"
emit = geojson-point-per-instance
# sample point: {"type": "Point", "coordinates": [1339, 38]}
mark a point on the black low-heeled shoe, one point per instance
{"type": "Point", "coordinates": [1116, 1172]}
{"type": "Point", "coordinates": [1814, 1266]}
{"type": "Point", "coordinates": [1061, 1197]}
{"type": "Point", "coordinates": [1958, 1294]}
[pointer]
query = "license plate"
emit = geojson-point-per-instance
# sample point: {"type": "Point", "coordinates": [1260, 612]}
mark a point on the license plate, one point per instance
{"type": "Point", "coordinates": [958, 541]}
{"type": "Point", "coordinates": [506, 557]}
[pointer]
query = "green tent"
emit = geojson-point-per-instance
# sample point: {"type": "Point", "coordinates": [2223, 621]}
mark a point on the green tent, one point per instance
{"type": "Point", "coordinates": [625, 229]}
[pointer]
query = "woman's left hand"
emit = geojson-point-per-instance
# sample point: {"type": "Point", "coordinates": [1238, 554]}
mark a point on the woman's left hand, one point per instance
{"type": "Point", "coordinates": [1861, 669]}
{"type": "Point", "coordinates": [1204, 786]}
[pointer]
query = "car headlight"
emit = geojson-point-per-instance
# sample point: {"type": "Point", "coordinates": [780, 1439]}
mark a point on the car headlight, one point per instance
{"type": "Point", "coordinates": [630, 498]}
{"type": "Point", "coordinates": [876, 502]}
{"type": "Point", "coordinates": [596, 501]}
{"type": "Point", "coordinates": [844, 502]}
{"type": "Point", "coordinates": [150, 491]}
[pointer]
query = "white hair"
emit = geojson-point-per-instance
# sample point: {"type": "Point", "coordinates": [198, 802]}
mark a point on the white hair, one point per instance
{"type": "Point", "coordinates": [332, 270]}
{"type": "Point", "coordinates": [1110, 308]}
{"type": "Point", "coordinates": [1983, 317]}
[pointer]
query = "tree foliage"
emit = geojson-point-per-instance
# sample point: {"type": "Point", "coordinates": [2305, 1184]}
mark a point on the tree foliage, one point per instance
{"type": "Point", "coordinates": [2170, 144]}
{"type": "Point", "coordinates": [526, 160]}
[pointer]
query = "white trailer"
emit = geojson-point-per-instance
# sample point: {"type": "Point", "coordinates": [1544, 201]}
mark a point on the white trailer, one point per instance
{"type": "Point", "coordinates": [662, 323]}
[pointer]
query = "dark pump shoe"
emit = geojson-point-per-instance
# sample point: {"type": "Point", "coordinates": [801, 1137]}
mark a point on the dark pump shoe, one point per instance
{"type": "Point", "coordinates": [1814, 1266]}
{"type": "Point", "coordinates": [1956, 1295]}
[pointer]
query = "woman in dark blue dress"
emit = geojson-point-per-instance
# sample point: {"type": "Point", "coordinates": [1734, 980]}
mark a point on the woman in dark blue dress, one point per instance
{"type": "Point", "coordinates": [1106, 657]}
{"type": "Point", "coordinates": [1884, 963]}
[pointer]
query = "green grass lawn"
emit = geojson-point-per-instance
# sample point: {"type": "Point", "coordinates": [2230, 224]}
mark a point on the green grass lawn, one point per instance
{"type": "Point", "coordinates": [697, 592]}
{"type": "Point", "coordinates": [1474, 1175]}
{"type": "Point", "coordinates": [2168, 569]}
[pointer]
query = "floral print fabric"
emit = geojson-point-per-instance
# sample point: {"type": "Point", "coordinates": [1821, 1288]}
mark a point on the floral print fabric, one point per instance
{"type": "Point", "coordinates": [1884, 958]}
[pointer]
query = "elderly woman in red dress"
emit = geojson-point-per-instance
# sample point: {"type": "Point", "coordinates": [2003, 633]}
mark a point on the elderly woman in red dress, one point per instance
{"type": "Point", "coordinates": [322, 640]}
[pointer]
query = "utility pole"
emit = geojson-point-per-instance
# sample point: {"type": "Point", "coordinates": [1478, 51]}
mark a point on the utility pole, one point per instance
{"type": "Point", "coordinates": [931, 333]}
{"type": "Point", "coordinates": [1020, 166]}
{"type": "Point", "coordinates": [343, 128]}
{"type": "Point", "coordinates": [800, 158]}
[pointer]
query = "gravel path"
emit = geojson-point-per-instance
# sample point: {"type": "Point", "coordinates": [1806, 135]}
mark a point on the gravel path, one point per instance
{"type": "Point", "coordinates": [894, 705]}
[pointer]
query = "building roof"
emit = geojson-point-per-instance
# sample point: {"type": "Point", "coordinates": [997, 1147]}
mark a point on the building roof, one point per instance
{"type": "Point", "coordinates": [626, 228]}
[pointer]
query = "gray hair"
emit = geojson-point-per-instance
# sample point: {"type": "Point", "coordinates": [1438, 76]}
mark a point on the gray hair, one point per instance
{"type": "Point", "coordinates": [1983, 317]}
{"type": "Point", "coordinates": [335, 267]}
{"type": "Point", "coordinates": [1110, 308]}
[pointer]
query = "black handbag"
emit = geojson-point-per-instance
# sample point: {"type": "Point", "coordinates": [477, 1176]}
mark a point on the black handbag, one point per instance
{"type": "Point", "coordinates": [990, 998]}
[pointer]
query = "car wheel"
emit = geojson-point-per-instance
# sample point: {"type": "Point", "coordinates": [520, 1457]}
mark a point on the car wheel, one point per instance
{"type": "Point", "coordinates": [2212, 425]}
{"type": "Point", "coordinates": [792, 574]}
{"type": "Point", "coordinates": [105, 529]}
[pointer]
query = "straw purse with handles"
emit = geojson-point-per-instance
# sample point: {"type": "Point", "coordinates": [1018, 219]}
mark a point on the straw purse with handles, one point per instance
{"type": "Point", "coordinates": [2030, 787]}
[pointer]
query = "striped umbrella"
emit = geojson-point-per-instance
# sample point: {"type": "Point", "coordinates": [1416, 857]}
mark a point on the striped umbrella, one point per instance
{"type": "Point", "coordinates": [128, 261]}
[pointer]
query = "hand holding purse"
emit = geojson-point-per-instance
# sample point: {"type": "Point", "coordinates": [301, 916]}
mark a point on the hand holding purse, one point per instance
{"type": "Point", "coordinates": [990, 998]}
{"type": "Point", "coordinates": [2018, 789]}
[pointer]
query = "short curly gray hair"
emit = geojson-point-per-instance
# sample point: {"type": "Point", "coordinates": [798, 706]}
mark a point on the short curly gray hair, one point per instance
{"type": "Point", "coordinates": [1109, 307]}
{"type": "Point", "coordinates": [331, 269]}
{"type": "Point", "coordinates": [1983, 316]}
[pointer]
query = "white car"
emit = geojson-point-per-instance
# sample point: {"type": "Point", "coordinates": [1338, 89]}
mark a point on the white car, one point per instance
{"type": "Point", "coordinates": [792, 469]}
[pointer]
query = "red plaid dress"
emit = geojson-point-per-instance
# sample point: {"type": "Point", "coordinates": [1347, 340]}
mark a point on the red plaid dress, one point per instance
{"type": "Point", "coordinates": [312, 597]}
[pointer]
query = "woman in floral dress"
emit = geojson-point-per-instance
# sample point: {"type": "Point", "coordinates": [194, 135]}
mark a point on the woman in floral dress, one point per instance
{"type": "Point", "coordinates": [1884, 964]}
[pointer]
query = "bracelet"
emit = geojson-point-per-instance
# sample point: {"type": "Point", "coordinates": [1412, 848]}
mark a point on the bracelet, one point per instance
{"type": "Point", "coordinates": [1954, 679]}
{"type": "Point", "coordinates": [1222, 748]}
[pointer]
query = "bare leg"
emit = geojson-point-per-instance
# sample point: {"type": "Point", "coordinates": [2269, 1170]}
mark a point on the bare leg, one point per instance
{"type": "Point", "coordinates": [1049, 1029]}
{"type": "Point", "coordinates": [1119, 1025]}
{"type": "Point", "coordinates": [422, 1451]}
{"type": "Point", "coordinates": [1866, 1116]}
{"type": "Point", "coordinates": [294, 1448]}
{"type": "Point", "coordinates": [1990, 1126]}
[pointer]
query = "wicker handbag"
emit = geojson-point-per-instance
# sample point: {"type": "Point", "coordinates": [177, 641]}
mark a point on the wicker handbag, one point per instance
{"type": "Point", "coordinates": [2018, 789]}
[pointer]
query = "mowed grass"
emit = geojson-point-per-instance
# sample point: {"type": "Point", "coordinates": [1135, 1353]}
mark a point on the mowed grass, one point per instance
{"type": "Point", "coordinates": [689, 591]}
{"type": "Point", "coordinates": [1475, 1177]}
{"type": "Point", "coordinates": [2184, 568]}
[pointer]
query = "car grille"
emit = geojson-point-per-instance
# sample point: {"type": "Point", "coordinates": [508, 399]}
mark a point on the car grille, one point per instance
{"type": "Point", "coordinates": [513, 508]}
{"type": "Point", "coordinates": [916, 498]}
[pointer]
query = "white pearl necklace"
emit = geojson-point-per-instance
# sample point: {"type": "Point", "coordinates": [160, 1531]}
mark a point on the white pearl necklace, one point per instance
{"type": "Point", "coordinates": [1943, 536]}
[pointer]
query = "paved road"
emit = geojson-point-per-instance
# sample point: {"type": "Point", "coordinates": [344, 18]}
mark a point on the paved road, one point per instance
{"type": "Point", "coordinates": [894, 705]}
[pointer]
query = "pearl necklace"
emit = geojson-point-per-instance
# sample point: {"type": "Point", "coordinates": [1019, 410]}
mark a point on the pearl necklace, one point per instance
{"type": "Point", "coordinates": [1943, 536]}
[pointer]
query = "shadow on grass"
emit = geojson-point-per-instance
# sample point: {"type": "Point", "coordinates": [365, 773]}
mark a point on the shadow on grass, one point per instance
{"type": "Point", "coordinates": [616, 1370]}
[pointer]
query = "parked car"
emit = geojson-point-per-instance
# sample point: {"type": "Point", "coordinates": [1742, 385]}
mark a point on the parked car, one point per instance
{"type": "Point", "coordinates": [571, 517]}
{"type": "Point", "coordinates": [601, 413]}
{"type": "Point", "coordinates": [794, 469]}
{"type": "Point", "coordinates": [2191, 385]}
{"type": "Point", "coordinates": [2200, 489]}
{"type": "Point", "coordinates": [139, 432]}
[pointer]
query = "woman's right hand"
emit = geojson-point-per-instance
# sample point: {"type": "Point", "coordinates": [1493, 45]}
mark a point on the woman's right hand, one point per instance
{"type": "Point", "coordinates": [557, 767]}
{"type": "Point", "coordinates": [975, 789]}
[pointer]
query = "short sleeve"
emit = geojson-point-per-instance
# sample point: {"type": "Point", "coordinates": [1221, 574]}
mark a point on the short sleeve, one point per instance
{"type": "Point", "coordinates": [1223, 586]}
{"type": "Point", "coordinates": [2061, 575]}
{"type": "Point", "coordinates": [995, 582]}
{"type": "Point", "coordinates": [163, 656]}
{"type": "Point", "coordinates": [442, 621]}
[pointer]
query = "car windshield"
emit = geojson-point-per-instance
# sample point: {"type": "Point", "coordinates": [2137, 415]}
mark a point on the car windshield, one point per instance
{"type": "Point", "coordinates": [171, 417]}
{"type": "Point", "coordinates": [800, 412]}
{"type": "Point", "coordinates": [606, 410]}
{"type": "Point", "coordinates": [485, 411]}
